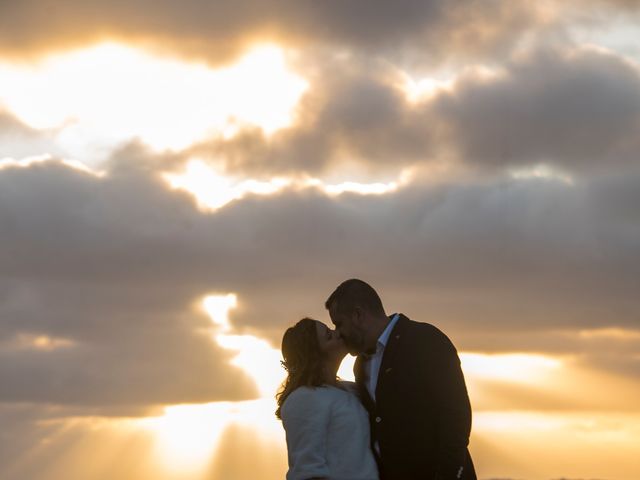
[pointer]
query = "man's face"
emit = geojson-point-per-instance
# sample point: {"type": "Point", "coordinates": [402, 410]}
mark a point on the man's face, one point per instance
{"type": "Point", "coordinates": [350, 329]}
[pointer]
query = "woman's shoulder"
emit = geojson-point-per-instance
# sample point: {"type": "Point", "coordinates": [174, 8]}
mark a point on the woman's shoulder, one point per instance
{"type": "Point", "coordinates": [350, 387]}
{"type": "Point", "coordinates": [306, 399]}
{"type": "Point", "coordinates": [306, 392]}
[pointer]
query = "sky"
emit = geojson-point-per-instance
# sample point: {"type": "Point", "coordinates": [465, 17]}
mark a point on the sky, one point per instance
{"type": "Point", "coordinates": [180, 182]}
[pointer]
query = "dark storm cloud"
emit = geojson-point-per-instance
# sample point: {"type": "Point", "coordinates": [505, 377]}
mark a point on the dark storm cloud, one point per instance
{"type": "Point", "coordinates": [115, 263]}
{"type": "Point", "coordinates": [406, 29]}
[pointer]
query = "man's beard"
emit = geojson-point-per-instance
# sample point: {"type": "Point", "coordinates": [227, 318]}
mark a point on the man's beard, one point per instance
{"type": "Point", "coordinates": [355, 343]}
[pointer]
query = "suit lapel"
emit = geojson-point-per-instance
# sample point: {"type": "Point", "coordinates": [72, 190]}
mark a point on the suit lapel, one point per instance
{"type": "Point", "coordinates": [390, 350]}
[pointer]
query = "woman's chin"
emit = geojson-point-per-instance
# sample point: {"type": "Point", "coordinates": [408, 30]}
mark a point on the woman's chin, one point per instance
{"type": "Point", "coordinates": [351, 350]}
{"type": "Point", "coordinates": [344, 349]}
{"type": "Point", "coordinates": [342, 352]}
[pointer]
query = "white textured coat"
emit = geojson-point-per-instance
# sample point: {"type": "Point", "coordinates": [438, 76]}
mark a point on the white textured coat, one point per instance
{"type": "Point", "coordinates": [327, 431]}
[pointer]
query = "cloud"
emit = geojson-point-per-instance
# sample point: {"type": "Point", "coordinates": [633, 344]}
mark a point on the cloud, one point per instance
{"type": "Point", "coordinates": [355, 113]}
{"type": "Point", "coordinates": [113, 265]}
{"type": "Point", "coordinates": [514, 230]}
{"type": "Point", "coordinates": [578, 109]}
{"type": "Point", "coordinates": [582, 115]}
{"type": "Point", "coordinates": [18, 140]}
{"type": "Point", "coordinates": [11, 126]}
{"type": "Point", "coordinates": [631, 4]}
{"type": "Point", "coordinates": [73, 268]}
{"type": "Point", "coordinates": [218, 30]}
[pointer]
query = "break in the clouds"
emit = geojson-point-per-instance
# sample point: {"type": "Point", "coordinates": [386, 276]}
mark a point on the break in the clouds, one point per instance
{"type": "Point", "coordinates": [577, 109]}
{"type": "Point", "coordinates": [110, 267]}
{"type": "Point", "coordinates": [582, 114]}
{"type": "Point", "coordinates": [356, 114]}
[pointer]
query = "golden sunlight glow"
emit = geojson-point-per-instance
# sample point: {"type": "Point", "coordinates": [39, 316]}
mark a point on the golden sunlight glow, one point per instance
{"type": "Point", "coordinates": [218, 307]}
{"type": "Point", "coordinates": [556, 444]}
{"type": "Point", "coordinates": [187, 435]}
{"type": "Point", "coordinates": [111, 92]}
{"type": "Point", "coordinates": [512, 367]}
{"type": "Point", "coordinates": [254, 355]}
{"type": "Point", "coordinates": [251, 444]}
{"type": "Point", "coordinates": [214, 190]}
{"type": "Point", "coordinates": [610, 333]}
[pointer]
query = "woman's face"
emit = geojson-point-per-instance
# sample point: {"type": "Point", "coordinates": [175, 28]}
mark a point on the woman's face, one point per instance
{"type": "Point", "coordinates": [331, 344]}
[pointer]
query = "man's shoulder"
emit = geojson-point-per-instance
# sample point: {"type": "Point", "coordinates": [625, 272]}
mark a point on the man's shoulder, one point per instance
{"type": "Point", "coordinates": [416, 326]}
{"type": "Point", "coordinates": [422, 331]}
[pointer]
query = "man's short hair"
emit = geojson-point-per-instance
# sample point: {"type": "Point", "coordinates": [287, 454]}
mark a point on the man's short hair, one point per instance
{"type": "Point", "coordinates": [354, 293]}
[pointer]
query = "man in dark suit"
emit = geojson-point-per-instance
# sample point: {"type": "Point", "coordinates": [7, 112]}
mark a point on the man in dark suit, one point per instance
{"type": "Point", "coordinates": [411, 383]}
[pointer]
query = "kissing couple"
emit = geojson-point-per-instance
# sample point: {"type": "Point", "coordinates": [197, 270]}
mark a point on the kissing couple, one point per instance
{"type": "Point", "coordinates": [406, 417]}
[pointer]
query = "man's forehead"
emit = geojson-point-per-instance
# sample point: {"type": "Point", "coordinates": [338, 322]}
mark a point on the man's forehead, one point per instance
{"type": "Point", "coordinates": [337, 316]}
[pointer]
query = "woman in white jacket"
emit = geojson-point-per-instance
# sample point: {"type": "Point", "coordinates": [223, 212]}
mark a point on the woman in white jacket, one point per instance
{"type": "Point", "coordinates": [326, 426]}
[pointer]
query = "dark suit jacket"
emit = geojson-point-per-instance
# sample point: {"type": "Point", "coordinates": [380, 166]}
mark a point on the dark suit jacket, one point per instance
{"type": "Point", "coordinates": [422, 415]}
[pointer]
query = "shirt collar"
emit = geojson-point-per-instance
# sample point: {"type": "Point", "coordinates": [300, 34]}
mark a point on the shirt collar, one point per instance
{"type": "Point", "coordinates": [384, 336]}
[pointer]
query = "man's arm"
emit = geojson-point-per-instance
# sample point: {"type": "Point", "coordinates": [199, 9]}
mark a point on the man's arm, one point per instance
{"type": "Point", "coordinates": [453, 409]}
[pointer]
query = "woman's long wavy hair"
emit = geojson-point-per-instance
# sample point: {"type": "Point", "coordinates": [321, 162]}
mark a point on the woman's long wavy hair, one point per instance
{"type": "Point", "coordinates": [303, 359]}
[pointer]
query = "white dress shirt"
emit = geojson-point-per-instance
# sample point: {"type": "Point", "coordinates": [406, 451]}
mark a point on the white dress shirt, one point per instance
{"type": "Point", "coordinates": [372, 365]}
{"type": "Point", "coordinates": [327, 431]}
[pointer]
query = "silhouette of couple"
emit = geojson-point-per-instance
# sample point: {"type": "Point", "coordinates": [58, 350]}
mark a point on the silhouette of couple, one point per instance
{"type": "Point", "coordinates": [407, 416]}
